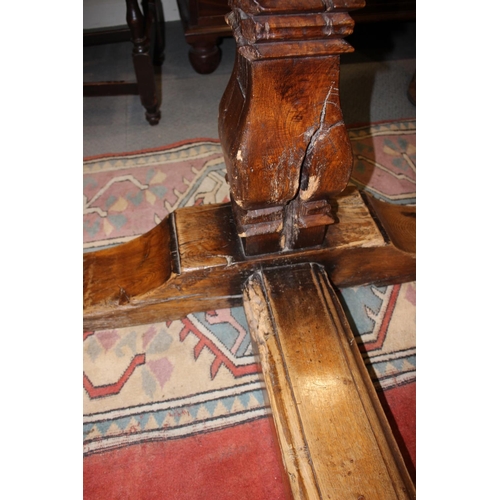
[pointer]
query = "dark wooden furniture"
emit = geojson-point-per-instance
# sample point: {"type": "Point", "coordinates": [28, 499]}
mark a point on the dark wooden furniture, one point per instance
{"type": "Point", "coordinates": [145, 28]}
{"type": "Point", "coordinates": [204, 25]}
{"type": "Point", "coordinates": [292, 232]}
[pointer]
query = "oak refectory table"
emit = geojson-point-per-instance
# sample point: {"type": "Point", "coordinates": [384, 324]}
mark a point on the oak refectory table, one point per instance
{"type": "Point", "coordinates": [293, 232]}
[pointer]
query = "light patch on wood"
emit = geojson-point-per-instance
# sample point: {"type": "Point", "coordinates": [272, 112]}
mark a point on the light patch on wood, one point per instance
{"type": "Point", "coordinates": [329, 27]}
{"type": "Point", "coordinates": [312, 186]}
{"type": "Point", "coordinates": [267, 31]}
{"type": "Point", "coordinates": [249, 52]}
{"type": "Point", "coordinates": [282, 242]}
{"type": "Point", "coordinates": [256, 312]}
{"type": "Point", "coordinates": [294, 448]}
{"type": "Point", "coordinates": [238, 201]}
{"type": "Point", "coordinates": [229, 259]}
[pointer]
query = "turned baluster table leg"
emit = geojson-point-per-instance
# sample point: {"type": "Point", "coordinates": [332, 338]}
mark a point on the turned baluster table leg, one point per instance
{"type": "Point", "coordinates": [281, 127]}
{"type": "Point", "coordinates": [205, 55]}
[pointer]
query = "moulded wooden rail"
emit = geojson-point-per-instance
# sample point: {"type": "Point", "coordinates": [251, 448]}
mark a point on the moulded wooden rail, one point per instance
{"type": "Point", "coordinates": [293, 225]}
{"type": "Point", "coordinates": [335, 440]}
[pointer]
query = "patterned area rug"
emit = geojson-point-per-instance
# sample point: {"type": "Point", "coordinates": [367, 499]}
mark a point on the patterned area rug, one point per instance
{"type": "Point", "coordinates": [177, 409]}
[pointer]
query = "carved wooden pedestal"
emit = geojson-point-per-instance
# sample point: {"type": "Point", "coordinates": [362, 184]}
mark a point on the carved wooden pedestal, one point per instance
{"type": "Point", "coordinates": [292, 228]}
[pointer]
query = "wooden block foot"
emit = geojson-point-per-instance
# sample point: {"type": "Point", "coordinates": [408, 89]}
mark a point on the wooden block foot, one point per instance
{"type": "Point", "coordinates": [205, 56]}
{"type": "Point", "coordinates": [153, 118]}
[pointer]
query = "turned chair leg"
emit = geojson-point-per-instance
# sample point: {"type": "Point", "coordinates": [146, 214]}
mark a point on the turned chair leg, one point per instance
{"type": "Point", "coordinates": [143, 64]}
{"type": "Point", "coordinates": [156, 8]}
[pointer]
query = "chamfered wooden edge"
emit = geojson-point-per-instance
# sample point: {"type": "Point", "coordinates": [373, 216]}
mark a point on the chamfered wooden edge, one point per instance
{"type": "Point", "coordinates": [193, 261]}
{"type": "Point", "coordinates": [335, 439]}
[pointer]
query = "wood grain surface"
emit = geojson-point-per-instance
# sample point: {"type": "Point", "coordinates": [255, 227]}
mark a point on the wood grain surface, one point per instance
{"type": "Point", "coordinates": [115, 275]}
{"type": "Point", "coordinates": [335, 440]}
{"type": "Point", "coordinates": [282, 133]}
{"type": "Point", "coordinates": [194, 261]}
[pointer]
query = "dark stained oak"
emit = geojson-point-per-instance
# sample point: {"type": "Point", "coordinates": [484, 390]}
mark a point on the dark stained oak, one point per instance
{"type": "Point", "coordinates": [145, 28]}
{"type": "Point", "coordinates": [110, 88]}
{"type": "Point", "coordinates": [204, 25]}
{"type": "Point", "coordinates": [140, 25]}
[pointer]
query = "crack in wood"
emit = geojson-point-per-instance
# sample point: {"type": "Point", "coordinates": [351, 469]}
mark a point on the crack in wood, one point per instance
{"type": "Point", "coordinates": [308, 184]}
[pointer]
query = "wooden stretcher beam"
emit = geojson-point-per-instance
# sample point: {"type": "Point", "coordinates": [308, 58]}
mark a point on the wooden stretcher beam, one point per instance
{"type": "Point", "coordinates": [194, 261]}
{"type": "Point", "coordinates": [335, 440]}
